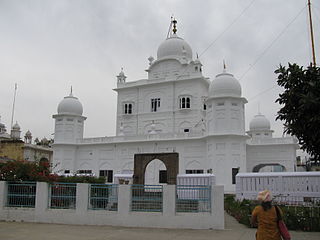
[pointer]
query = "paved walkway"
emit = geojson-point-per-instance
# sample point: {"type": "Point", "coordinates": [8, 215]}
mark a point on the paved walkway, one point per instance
{"type": "Point", "coordinates": [41, 231]}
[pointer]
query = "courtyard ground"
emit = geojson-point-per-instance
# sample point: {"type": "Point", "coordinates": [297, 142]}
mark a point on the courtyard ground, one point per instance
{"type": "Point", "coordinates": [43, 231]}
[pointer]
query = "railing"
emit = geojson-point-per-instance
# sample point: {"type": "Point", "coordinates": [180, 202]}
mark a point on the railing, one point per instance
{"type": "Point", "coordinates": [62, 195]}
{"type": "Point", "coordinates": [282, 199]}
{"type": "Point", "coordinates": [21, 194]}
{"type": "Point", "coordinates": [103, 197]}
{"type": "Point", "coordinates": [283, 140]}
{"type": "Point", "coordinates": [284, 186]}
{"type": "Point", "coordinates": [159, 136]}
{"type": "Point", "coordinates": [193, 198]}
{"type": "Point", "coordinates": [146, 198]}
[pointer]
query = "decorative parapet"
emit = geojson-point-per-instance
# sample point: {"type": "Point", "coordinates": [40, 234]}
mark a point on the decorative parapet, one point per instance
{"type": "Point", "coordinates": [136, 138]}
{"type": "Point", "coordinates": [270, 141]}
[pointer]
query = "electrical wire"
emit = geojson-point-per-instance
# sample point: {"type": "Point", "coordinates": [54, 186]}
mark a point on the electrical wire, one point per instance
{"type": "Point", "coordinates": [227, 28]}
{"type": "Point", "coordinates": [261, 93]}
{"type": "Point", "coordinates": [271, 44]}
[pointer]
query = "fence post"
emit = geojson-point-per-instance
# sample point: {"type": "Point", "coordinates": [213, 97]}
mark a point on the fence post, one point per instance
{"type": "Point", "coordinates": [239, 187]}
{"type": "Point", "coordinates": [82, 198]}
{"type": "Point", "coordinates": [3, 194]}
{"type": "Point", "coordinates": [217, 205]}
{"type": "Point", "coordinates": [124, 199]}
{"type": "Point", "coordinates": [169, 200]}
{"type": "Point", "coordinates": [42, 197]}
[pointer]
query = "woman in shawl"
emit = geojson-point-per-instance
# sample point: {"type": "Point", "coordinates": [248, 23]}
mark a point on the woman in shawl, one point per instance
{"type": "Point", "coordinates": [265, 216]}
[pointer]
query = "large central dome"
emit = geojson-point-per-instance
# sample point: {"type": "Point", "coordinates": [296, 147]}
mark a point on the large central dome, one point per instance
{"type": "Point", "coordinates": [174, 46]}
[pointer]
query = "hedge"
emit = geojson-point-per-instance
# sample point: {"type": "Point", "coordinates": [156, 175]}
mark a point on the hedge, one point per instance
{"type": "Point", "coordinates": [305, 218]}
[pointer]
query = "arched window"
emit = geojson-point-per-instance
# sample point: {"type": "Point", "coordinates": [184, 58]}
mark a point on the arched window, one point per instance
{"type": "Point", "coordinates": [185, 102]}
{"type": "Point", "coordinates": [127, 108]}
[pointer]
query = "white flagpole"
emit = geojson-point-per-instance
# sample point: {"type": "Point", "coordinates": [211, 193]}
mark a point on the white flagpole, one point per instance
{"type": "Point", "coordinates": [14, 101]}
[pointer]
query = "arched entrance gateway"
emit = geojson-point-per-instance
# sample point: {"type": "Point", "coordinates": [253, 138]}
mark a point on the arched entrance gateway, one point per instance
{"type": "Point", "coordinates": [141, 161]}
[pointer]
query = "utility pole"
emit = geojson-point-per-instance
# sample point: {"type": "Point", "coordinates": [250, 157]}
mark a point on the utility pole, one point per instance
{"type": "Point", "coordinates": [311, 33]}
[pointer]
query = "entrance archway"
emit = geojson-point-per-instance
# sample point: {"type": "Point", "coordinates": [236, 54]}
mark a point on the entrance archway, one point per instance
{"type": "Point", "coordinates": [153, 173]}
{"type": "Point", "coordinates": [141, 161]}
{"type": "Point", "coordinates": [258, 167]}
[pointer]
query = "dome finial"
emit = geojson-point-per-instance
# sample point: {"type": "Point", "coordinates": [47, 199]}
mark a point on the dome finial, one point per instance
{"type": "Point", "coordinates": [224, 66]}
{"type": "Point", "coordinates": [121, 77]}
{"type": "Point", "coordinates": [71, 91]}
{"type": "Point", "coordinates": [259, 113]}
{"type": "Point", "coordinates": [174, 30]}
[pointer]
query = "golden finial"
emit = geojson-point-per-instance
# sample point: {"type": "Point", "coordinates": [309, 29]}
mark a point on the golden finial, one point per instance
{"type": "Point", "coordinates": [174, 30]}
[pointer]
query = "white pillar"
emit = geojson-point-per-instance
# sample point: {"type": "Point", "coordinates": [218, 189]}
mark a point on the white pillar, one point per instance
{"type": "Point", "coordinates": [169, 200]}
{"type": "Point", "coordinates": [3, 194]}
{"type": "Point", "coordinates": [217, 204]}
{"type": "Point", "coordinates": [124, 198]}
{"type": "Point", "coordinates": [42, 198]}
{"type": "Point", "coordinates": [82, 198]}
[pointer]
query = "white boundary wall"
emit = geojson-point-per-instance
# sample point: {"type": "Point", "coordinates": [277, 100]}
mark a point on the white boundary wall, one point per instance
{"type": "Point", "coordinates": [287, 186]}
{"type": "Point", "coordinates": [123, 217]}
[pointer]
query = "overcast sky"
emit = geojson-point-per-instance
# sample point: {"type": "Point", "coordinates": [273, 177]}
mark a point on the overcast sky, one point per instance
{"type": "Point", "coordinates": [47, 46]}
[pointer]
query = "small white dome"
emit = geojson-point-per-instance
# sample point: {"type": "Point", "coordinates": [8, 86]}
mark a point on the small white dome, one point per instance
{"type": "Point", "coordinates": [225, 85]}
{"type": "Point", "coordinates": [259, 122]}
{"type": "Point", "coordinates": [70, 105]}
{"type": "Point", "coordinates": [16, 126]}
{"type": "Point", "coordinates": [174, 47]}
{"type": "Point", "coordinates": [28, 134]}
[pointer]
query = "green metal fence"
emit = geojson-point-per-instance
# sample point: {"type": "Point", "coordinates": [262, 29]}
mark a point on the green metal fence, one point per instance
{"type": "Point", "coordinates": [193, 198]}
{"type": "Point", "coordinates": [103, 196]}
{"type": "Point", "coordinates": [146, 198]}
{"type": "Point", "coordinates": [21, 194]}
{"type": "Point", "coordinates": [62, 195]}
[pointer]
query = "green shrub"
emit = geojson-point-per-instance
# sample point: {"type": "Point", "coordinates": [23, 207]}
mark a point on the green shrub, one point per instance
{"type": "Point", "coordinates": [81, 179]}
{"type": "Point", "coordinates": [296, 217]}
{"type": "Point", "coordinates": [38, 172]}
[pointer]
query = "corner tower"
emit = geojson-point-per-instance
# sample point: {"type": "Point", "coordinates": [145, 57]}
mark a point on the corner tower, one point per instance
{"type": "Point", "coordinates": [226, 137]}
{"type": "Point", "coordinates": [69, 122]}
{"type": "Point", "coordinates": [225, 114]}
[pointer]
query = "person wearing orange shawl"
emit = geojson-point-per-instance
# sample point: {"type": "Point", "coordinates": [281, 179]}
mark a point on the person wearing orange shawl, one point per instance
{"type": "Point", "coordinates": [265, 216]}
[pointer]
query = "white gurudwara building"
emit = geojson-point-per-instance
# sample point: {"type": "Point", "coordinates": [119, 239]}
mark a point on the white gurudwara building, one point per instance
{"type": "Point", "coordinates": [176, 121]}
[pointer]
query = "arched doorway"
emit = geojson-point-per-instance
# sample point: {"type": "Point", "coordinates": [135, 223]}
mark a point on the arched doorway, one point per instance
{"type": "Point", "coordinates": [169, 160]}
{"type": "Point", "coordinates": [269, 167]}
{"type": "Point", "coordinates": [155, 173]}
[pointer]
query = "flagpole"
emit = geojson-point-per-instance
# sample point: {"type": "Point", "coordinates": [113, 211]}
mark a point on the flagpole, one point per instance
{"type": "Point", "coordinates": [311, 33]}
{"type": "Point", "coordinates": [14, 102]}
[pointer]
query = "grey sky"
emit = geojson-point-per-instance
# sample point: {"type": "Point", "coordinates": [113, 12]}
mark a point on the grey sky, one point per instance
{"type": "Point", "coordinates": [47, 46]}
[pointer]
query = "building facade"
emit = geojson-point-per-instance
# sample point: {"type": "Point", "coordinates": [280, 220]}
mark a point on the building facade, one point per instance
{"type": "Point", "coordinates": [175, 110]}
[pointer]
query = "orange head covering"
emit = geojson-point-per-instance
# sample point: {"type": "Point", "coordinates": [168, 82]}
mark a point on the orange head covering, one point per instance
{"type": "Point", "coordinates": [264, 196]}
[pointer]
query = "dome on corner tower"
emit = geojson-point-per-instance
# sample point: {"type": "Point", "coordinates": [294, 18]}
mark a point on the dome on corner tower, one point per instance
{"type": "Point", "coordinates": [259, 122]}
{"type": "Point", "coordinates": [16, 126]}
{"type": "Point", "coordinates": [174, 46]}
{"type": "Point", "coordinates": [70, 105]}
{"type": "Point", "coordinates": [225, 85]}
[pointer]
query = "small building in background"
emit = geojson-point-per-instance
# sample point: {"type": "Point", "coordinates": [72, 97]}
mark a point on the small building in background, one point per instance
{"type": "Point", "coordinates": [12, 147]}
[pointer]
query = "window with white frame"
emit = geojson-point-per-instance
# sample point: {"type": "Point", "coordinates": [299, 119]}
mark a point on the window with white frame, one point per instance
{"type": "Point", "coordinates": [185, 102]}
{"type": "Point", "coordinates": [155, 104]}
{"type": "Point", "coordinates": [108, 174]}
{"type": "Point", "coordinates": [194, 171]}
{"type": "Point", "coordinates": [127, 108]}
